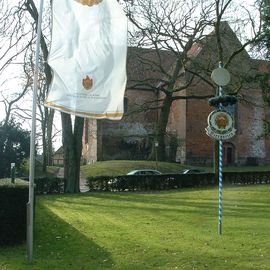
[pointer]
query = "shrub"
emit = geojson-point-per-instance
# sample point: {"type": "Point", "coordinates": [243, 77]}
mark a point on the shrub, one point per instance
{"type": "Point", "coordinates": [13, 199]}
{"type": "Point", "coordinates": [48, 185]}
{"type": "Point", "coordinates": [171, 181]}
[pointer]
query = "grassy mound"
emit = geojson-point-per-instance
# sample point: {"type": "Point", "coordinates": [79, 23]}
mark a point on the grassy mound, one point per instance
{"type": "Point", "coordinates": [18, 182]}
{"type": "Point", "coordinates": [122, 167]}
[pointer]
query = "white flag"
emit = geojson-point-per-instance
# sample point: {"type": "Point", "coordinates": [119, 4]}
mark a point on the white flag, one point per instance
{"type": "Point", "coordinates": [88, 58]}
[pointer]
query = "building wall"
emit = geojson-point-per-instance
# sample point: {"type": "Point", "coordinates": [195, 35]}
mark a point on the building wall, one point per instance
{"type": "Point", "coordinates": [199, 147]}
{"type": "Point", "coordinates": [177, 126]}
{"type": "Point", "coordinates": [129, 138]}
{"type": "Point", "coordinates": [250, 115]}
{"type": "Point", "coordinates": [132, 137]}
{"type": "Point", "coordinates": [58, 159]}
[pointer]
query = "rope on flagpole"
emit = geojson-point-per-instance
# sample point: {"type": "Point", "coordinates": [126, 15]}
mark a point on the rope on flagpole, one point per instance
{"type": "Point", "coordinates": [30, 204]}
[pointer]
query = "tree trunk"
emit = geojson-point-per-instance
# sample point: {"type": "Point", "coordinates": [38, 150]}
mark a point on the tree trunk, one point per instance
{"type": "Point", "coordinates": [72, 144]}
{"type": "Point", "coordinates": [161, 128]}
{"type": "Point", "coordinates": [44, 148]}
{"type": "Point", "coordinates": [49, 137]}
{"type": "Point", "coordinates": [44, 139]}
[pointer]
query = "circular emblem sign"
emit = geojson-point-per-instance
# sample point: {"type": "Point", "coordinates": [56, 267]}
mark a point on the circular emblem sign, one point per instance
{"type": "Point", "coordinates": [221, 76]}
{"type": "Point", "coordinates": [220, 125]}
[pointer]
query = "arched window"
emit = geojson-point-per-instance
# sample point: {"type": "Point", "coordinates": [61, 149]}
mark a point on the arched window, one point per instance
{"type": "Point", "coordinates": [228, 153]}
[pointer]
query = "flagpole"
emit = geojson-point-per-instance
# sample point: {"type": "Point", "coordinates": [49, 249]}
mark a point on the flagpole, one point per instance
{"type": "Point", "coordinates": [30, 204]}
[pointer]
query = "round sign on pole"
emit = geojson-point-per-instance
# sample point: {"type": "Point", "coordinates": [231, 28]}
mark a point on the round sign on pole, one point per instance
{"type": "Point", "coordinates": [220, 125]}
{"type": "Point", "coordinates": [221, 76]}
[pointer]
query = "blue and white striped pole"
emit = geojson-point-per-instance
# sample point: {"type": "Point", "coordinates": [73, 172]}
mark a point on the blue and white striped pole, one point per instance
{"type": "Point", "coordinates": [221, 77]}
{"type": "Point", "coordinates": [220, 189]}
{"type": "Point", "coordinates": [220, 160]}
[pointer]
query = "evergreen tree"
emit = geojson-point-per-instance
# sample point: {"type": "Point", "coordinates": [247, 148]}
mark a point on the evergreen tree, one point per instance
{"type": "Point", "coordinates": [265, 15]}
{"type": "Point", "coordinates": [14, 146]}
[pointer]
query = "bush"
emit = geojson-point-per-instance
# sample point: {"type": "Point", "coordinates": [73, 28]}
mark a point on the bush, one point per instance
{"type": "Point", "coordinates": [171, 181]}
{"type": "Point", "coordinates": [48, 185]}
{"type": "Point", "coordinates": [13, 199]}
{"type": "Point", "coordinates": [252, 161]}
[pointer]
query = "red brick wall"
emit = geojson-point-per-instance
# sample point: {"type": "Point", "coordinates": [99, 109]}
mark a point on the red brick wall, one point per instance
{"type": "Point", "coordinates": [132, 136]}
{"type": "Point", "coordinates": [199, 146]}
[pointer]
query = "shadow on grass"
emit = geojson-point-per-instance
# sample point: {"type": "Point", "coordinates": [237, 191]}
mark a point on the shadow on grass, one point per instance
{"type": "Point", "coordinates": [57, 245]}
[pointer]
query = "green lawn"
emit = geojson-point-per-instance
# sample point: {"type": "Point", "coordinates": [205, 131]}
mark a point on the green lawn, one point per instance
{"type": "Point", "coordinates": [161, 230]}
{"type": "Point", "coordinates": [120, 167]}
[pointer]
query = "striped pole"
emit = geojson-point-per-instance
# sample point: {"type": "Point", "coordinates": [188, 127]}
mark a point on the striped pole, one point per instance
{"type": "Point", "coordinates": [220, 159]}
{"type": "Point", "coordinates": [220, 189]}
{"type": "Point", "coordinates": [221, 77]}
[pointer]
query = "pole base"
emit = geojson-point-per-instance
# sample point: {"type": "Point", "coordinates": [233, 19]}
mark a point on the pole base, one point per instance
{"type": "Point", "coordinates": [219, 228]}
{"type": "Point", "coordinates": [29, 235]}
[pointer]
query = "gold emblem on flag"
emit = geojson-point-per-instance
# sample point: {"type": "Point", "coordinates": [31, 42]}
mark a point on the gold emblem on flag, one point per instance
{"type": "Point", "coordinates": [87, 83]}
{"type": "Point", "coordinates": [89, 2]}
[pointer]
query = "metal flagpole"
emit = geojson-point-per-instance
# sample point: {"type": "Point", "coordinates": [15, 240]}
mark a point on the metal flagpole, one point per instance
{"type": "Point", "coordinates": [30, 204]}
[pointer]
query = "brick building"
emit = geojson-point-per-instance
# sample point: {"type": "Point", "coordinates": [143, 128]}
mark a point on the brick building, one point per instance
{"type": "Point", "coordinates": [186, 140]}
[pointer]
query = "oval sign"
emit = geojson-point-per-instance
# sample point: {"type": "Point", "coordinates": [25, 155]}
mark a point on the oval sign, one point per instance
{"type": "Point", "coordinates": [221, 76]}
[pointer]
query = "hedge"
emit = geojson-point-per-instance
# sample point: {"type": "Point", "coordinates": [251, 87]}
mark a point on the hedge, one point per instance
{"type": "Point", "coordinates": [48, 185]}
{"type": "Point", "coordinates": [13, 199]}
{"type": "Point", "coordinates": [171, 181]}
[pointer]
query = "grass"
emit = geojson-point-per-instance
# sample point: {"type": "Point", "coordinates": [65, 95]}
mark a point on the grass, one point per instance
{"type": "Point", "coordinates": [161, 230]}
{"type": "Point", "coordinates": [17, 182]}
{"type": "Point", "coordinates": [52, 170]}
{"type": "Point", "coordinates": [120, 167]}
{"type": "Point", "coordinates": [260, 168]}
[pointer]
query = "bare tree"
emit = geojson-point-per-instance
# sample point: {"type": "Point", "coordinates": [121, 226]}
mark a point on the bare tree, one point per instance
{"type": "Point", "coordinates": [16, 34]}
{"type": "Point", "coordinates": [177, 28]}
{"type": "Point", "coordinates": [14, 42]}
{"type": "Point", "coordinates": [167, 26]}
